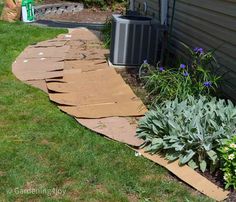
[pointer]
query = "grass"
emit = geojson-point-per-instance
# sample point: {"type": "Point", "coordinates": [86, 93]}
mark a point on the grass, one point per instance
{"type": "Point", "coordinates": [43, 148]}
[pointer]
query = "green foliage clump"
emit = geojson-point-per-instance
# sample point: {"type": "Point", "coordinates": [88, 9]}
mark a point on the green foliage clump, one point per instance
{"type": "Point", "coordinates": [106, 32]}
{"type": "Point", "coordinates": [228, 156]}
{"type": "Point", "coordinates": [196, 78]}
{"type": "Point", "coordinates": [191, 130]}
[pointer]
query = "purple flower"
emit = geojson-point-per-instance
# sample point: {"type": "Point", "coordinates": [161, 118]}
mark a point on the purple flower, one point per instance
{"type": "Point", "coordinates": [145, 62]}
{"type": "Point", "coordinates": [207, 84]}
{"type": "Point", "coordinates": [161, 69]}
{"type": "Point", "coordinates": [182, 66]}
{"type": "Point", "coordinates": [198, 50]}
{"type": "Point", "coordinates": [185, 73]}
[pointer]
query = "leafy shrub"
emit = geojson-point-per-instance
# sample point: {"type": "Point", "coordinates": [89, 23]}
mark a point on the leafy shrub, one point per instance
{"type": "Point", "coordinates": [191, 130]}
{"type": "Point", "coordinates": [196, 78]}
{"type": "Point", "coordinates": [228, 156]}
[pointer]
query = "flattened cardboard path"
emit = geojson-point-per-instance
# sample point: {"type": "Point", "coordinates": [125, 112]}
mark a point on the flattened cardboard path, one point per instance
{"type": "Point", "coordinates": [100, 93]}
{"type": "Point", "coordinates": [72, 68]}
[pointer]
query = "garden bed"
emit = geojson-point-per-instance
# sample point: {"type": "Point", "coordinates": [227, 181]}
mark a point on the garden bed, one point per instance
{"type": "Point", "coordinates": [92, 15]}
{"type": "Point", "coordinates": [132, 78]}
{"type": "Point", "coordinates": [65, 11]}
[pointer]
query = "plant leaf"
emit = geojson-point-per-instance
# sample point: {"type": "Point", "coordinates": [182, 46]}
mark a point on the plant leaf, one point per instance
{"type": "Point", "coordinates": [203, 166]}
{"type": "Point", "coordinates": [187, 157]}
{"type": "Point", "coordinates": [192, 164]}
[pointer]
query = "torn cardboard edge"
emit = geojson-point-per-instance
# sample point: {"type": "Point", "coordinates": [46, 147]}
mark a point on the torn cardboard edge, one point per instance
{"type": "Point", "coordinates": [38, 64]}
{"type": "Point", "coordinates": [74, 99]}
{"type": "Point", "coordinates": [190, 177]}
{"type": "Point", "coordinates": [62, 86]}
{"type": "Point", "coordinates": [50, 43]}
{"type": "Point", "coordinates": [121, 129]}
{"type": "Point", "coordinates": [49, 52]}
{"type": "Point", "coordinates": [85, 65]}
{"type": "Point", "coordinates": [80, 34]}
{"type": "Point", "coordinates": [129, 108]}
{"type": "Point", "coordinates": [41, 84]}
{"type": "Point", "coordinates": [39, 75]}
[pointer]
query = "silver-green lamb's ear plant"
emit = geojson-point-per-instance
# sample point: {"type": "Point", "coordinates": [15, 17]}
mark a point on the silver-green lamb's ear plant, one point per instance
{"type": "Point", "coordinates": [191, 130]}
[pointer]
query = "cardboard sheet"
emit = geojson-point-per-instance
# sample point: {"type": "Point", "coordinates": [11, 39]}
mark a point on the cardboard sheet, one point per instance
{"type": "Point", "coordinates": [38, 75]}
{"type": "Point", "coordinates": [41, 84]}
{"type": "Point", "coordinates": [59, 85]}
{"type": "Point", "coordinates": [122, 129]}
{"type": "Point", "coordinates": [75, 99]}
{"type": "Point", "coordinates": [76, 43]}
{"type": "Point", "coordinates": [189, 176]}
{"type": "Point", "coordinates": [98, 75]}
{"type": "Point", "coordinates": [37, 68]}
{"type": "Point", "coordinates": [50, 43]}
{"type": "Point", "coordinates": [134, 108]}
{"type": "Point", "coordinates": [85, 65]}
{"type": "Point", "coordinates": [77, 53]}
{"type": "Point", "coordinates": [37, 64]}
{"type": "Point", "coordinates": [113, 97]}
{"type": "Point", "coordinates": [80, 34]}
{"type": "Point", "coordinates": [49, 52]}
{"type": "Point", "coordinates": [74, 54]}
{"type": "Point", "coordinates": [86, 91]}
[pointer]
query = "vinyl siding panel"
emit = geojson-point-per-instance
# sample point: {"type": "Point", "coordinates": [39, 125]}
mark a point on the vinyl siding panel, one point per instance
{"type": "Point", "coordinates": [210, 24]}
{"type": "Point", "coordinates": [153, 8]}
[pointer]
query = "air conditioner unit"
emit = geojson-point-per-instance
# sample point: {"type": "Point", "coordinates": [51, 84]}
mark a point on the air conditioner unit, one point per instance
{"type": "Point", "coordinates": [134, 39]}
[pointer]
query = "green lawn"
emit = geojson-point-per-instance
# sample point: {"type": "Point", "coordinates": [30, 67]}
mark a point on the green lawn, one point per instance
{"type": "Point", "coordinates": [41, 147]}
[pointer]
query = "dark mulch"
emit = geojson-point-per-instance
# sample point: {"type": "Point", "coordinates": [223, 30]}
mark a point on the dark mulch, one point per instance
{"type": "Point", "coordinates": [217, 178]}
{"type": "Point", "coordinates": [131, 77]}
{"type": "Point", "coordinates": [92, 15]}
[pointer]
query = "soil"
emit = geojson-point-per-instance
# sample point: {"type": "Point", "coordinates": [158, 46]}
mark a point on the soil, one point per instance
{"type": "Point", "coordinates": [87, 15]}
{"type": "Point", "coordinates": [217, 178]}
{"type": "Point", "coordinates": [131, 77]}
{"type": "Point", "coordinates": [92, 15]}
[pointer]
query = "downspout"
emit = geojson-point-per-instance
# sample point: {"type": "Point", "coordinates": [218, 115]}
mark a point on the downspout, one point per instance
{"type": "Point", "coordinates": [172, 19]}
{"type": "Point", "coordinates": [164, 22]}
{"type": "Point", "coordinates": [170, 30]}
{"type": "Point", "coordinates": [164, 12]}
{"type": "Point", "coordinates": [131, 5]}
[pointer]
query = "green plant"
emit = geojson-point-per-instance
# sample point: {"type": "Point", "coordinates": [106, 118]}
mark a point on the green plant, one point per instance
{"type": "Point", "coordinates": [228, 157]}
{"type": "Point", "coordinates": [106, 31]}
{"type": "Point", "coordinates": [196, 78]}
{"type": "Point", "coordinates": [191, 130]}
